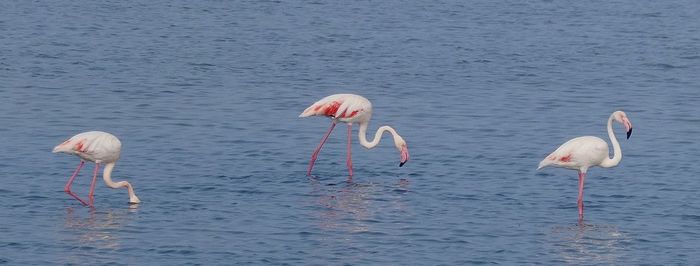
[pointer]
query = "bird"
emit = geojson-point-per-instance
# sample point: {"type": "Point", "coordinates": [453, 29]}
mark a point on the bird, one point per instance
{"type": "Point", "coordinates": [349, 109]}
{"type": "Point", "coordinates": [581, 153]}
{"type": "Point", "coordinates": [101, 148]}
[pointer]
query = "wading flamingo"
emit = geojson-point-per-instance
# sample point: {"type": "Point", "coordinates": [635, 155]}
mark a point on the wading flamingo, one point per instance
{"type": "Point", "coordinates": [98, 147]}
{"type": "Point", "coordinates": [584, 152]}
{"type": "Point", "coordinates": [351, 108]}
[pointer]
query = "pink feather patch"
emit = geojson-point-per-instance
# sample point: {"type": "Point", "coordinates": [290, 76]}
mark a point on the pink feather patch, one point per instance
{"type": "Point", "coordinates": [566, 159]}
{"type": "Point", "coordinates": [331, 108]}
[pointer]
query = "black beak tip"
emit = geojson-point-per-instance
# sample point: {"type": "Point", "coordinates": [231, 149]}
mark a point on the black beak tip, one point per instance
{"type": "Point", "coordinates": [401, 164]}
{"type": "Point", "coordinates": [629, 133]}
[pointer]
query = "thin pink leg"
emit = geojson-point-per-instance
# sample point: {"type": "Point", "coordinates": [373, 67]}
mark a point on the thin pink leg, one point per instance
{"type": "Point", "coordinates": [70, 183]}
{"type": "Point", "coordinates": [91, 195]}
{"type": "Point", "coordinates": [581, 180]}
{"type": "Point", "coordinates": [314, 156]}
{"type": "Point", "coordinates": [349, 162]}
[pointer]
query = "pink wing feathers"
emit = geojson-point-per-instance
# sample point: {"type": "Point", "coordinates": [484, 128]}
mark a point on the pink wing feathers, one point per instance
{"type": "Point", "coordinates": [92, 146]}
{"type": "Point", "coordinates": [336, 106]}
{"type": "Point", "coordinates": [73, 145]}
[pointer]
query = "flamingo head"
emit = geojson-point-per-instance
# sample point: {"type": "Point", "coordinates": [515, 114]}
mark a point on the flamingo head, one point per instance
{"type": "Point", "coordinates": [621, 118]}
{"type": "Point", "coordinates": [403, 149]}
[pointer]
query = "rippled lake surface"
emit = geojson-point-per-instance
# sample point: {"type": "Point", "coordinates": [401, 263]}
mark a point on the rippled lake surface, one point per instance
{"type": "Point", "coordinates": [205, 97]}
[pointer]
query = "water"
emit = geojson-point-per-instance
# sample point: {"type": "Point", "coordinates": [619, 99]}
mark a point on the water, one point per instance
{"type": "Point", "coordinates": [205, 97]}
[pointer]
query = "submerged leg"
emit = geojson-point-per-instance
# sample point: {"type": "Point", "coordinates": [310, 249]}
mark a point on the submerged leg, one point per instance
{"type": "Point", "coordinates": [349, 162]}
{"type": "Point", "coordinates": [314, 156]}
{"type": "Point", "coordinates": [70, 183]}
{"type": "Point", "coordinates": [581, 180]}
{"type": "Point", "coordinates": [91, 195]}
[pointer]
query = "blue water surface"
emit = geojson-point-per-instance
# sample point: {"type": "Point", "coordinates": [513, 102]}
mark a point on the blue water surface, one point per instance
{"type": "Point", "coordinates": [205, 97]}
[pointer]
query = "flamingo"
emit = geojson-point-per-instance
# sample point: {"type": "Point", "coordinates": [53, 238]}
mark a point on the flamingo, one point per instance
{"type": "Point", "coordinates": [584, 152]}
{"type": "Point", "coordinates": [349, 109]}
{"type": "Point", "coordinates": [98, 147]}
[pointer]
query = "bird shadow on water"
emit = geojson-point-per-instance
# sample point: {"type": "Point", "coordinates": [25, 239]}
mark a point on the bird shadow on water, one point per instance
{"type": "Point", "coordinates": [348, 206]}
{"type": "Point", "coordinates": [94, 231]}
{"type": "Point", "coordinates": [589, 243]}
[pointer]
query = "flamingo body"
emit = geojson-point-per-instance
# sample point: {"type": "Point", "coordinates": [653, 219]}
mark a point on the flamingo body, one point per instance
{"type": "Point", "coordinates": [578, 154]}
{"type": "Point", "coordinates": [98, 147]}
{"type": "Point", "coordinates": [93, 146]}
{"type": "Point", "coordinates": [349, 109]}
{"type": "Point", "coordinates": [581, 153]}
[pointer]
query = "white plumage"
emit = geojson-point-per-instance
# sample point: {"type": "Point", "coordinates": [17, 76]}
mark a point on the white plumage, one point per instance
{"type": "Point", "coordinates": [94, 146]}
{"type": "Point", "coordinates": [351, 108]}
{"type": "Point", "coordinates": [584, 152]}
{"type": "Point", "coordinates": [98, 147]}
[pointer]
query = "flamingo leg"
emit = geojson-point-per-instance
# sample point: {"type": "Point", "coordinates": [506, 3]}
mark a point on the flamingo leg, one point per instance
{"type": "Point", "coordinates": [70, 183]}
{"type": "Point", "coordinates": [581, 180]}
{"type": "Point", "coordinates": [314, 156]}
{"type": "Point", "coordinates": [349, 162]}
{"type": "Point", "coordinates": [91, 195]}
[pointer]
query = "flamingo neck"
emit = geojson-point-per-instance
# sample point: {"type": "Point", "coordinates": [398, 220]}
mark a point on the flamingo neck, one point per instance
{"type": "Point", "coordinates": [617, 152]}
{"type": "Point", "coordinates": [107, 176]}
{"type": "Point", "coordinates": [362, 135]}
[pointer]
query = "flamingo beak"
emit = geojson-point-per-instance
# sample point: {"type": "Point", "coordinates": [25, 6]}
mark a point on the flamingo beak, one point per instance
{"type": "Point", "coordinates": [404, 155]}
{"type": "Point", "coordinates": [629, 133]}
{"type": "Point", "coordinates": [628, 127]}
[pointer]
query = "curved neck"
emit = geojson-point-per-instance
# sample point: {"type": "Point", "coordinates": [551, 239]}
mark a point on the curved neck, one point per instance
{"type": "Point", "coordinates": [617, 152]}
{"type": "Point", "coordinates": [362, 135]}
{"type": "Point", "coordinates": [107, 176]}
